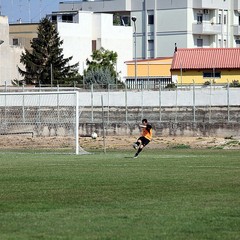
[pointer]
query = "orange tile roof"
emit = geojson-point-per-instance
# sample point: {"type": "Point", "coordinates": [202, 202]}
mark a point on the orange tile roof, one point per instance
{"type": "Point", "coordinates": [206, 58]}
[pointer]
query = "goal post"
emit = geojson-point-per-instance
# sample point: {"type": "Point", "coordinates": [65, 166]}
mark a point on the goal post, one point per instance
{"type": "Point", "coordinates": [50, 117]}
{"type": "Point", "coordinates": [76, 124]}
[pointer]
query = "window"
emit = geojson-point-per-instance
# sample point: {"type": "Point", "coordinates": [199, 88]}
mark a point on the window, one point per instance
{"type": "Point", "coordinates": [199, 42]}
{"type": "Point", "coordinates": [150, 45]}
{"type": "Point", "coordinates": [150, 48]}
{"type": "Point", "coordinates": [54, 18]}
{"type": "Point", "coordinates": [94, 45]}
{"type": "Point", "coordinates": [237, 43]}
{"type": "Point", "coordinates": [220, 18]}
{"type": "Point", "coordinates": [225, 19]}
{"type": "Point", "coordinates": [219, 43]}
{"type": "Point", "coordinates": [15, 42]}
{"type": "Point", "coordinates": [67, 18]}
{"type": "Point", "coordinates": [224, 43]}
{"type": "Point", "coordinates": [150, 19]}
{"type": "Point", "coordinates": [211, 74]}
{"type": "Point", "coordinates": [199, 18]}
{"type": "Point", "coordinates": [125, 20]}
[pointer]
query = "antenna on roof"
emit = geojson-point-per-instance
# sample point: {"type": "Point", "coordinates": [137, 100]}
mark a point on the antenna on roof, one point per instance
{"type": "Point", "coordinates": [40, 10]}
{"type": "Point", "coordinates": [20, 6]}
{"type": "Point", "coordinates": [175, 49]}
{"type": "Point", "coordinates": [29, 11]}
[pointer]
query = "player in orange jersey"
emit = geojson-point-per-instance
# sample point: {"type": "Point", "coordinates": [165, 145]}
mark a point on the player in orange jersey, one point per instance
{"type": "Point", "coordinates": [145, 138]}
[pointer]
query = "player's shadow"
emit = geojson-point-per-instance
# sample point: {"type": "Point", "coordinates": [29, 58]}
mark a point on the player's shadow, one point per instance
{"type": "Point", "coordinates": [128, 157]}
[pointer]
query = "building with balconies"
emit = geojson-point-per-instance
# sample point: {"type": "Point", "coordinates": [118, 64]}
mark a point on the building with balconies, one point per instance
{"type": "Point", "coordinates": [162, 23]}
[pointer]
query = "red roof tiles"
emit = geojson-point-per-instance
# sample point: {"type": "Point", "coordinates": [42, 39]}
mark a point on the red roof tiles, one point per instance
{"type": "Point", "coordinates": [206, 58]}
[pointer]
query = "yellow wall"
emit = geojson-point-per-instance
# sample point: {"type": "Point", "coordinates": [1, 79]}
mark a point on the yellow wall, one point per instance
{"type": "Point", "coordinates": [190, 75]}
{"type": "Point", "coordinates": [152, 68]}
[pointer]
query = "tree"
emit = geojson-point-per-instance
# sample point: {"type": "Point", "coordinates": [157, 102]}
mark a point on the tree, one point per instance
{"type": "Point", "coordinates": [46, 62]}
{"type": "Point", "coordinates": [101, 69]}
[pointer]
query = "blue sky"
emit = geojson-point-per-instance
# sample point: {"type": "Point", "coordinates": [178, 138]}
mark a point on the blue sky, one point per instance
{"type": "Point", "coordinates": [27, 10]}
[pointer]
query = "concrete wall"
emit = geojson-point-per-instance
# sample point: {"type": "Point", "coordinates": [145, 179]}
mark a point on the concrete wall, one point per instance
{"type": "Point", "coordinates": [166, 129]}
{"type": "Point", "coordinates": [203, 97]}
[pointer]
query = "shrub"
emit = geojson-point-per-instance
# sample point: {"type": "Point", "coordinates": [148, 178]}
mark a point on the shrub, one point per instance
{"type": "Point", "coordinates": [207, 83]}
{"type": "Point", "coordinates": [234, 83]}
{"type": "Point", "coordinates": [171, 86]}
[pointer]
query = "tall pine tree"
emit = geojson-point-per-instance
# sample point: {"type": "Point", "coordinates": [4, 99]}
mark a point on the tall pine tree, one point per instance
{"type": "Point", "coordinates": [46, 63]}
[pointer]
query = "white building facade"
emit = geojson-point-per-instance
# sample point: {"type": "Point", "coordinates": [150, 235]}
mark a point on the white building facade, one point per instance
{"type": "Point", "coordinates": [162, 23]}
{"type": "Point", "coordinates": [9, 56]}
{"type": "Point", "coordinates": [83, 32]}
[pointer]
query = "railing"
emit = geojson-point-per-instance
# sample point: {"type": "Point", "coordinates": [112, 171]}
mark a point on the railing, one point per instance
{"type": "Point", "coordinates": [206, 28]}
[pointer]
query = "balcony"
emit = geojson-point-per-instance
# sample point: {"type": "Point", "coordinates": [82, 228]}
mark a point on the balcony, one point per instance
{"type": "Point", "coordinates": [236, 30]}
{"type": "Point", "coordinates": [206, 4]}
{"type": "Point", "coordinates": [206, 28]}
{"type": "Point", "coordinates": [237, 5]}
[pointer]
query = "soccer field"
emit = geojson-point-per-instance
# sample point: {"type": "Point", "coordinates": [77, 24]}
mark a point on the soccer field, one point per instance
{"type": "Point", "coordinates": [169, 194]}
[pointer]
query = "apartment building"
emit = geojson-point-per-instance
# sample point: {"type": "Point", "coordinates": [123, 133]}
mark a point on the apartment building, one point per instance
{"type": "Point", "coordinates": [162, 23]}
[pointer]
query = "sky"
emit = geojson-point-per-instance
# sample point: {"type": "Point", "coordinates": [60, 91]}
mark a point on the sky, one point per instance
{"type": "Point", "coordinates": [27, 10]}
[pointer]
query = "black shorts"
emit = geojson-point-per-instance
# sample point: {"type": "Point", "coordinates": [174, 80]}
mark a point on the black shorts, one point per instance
{"type": "Point", "coordinates": [144, 141]}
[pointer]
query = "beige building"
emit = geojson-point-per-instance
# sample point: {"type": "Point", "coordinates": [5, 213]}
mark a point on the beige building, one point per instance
{"type": "Point", "coordinates": [22, 34]}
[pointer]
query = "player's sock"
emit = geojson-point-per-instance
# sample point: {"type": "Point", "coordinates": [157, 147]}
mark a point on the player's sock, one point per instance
{"type": "Point", "coordinates": [138, 151]}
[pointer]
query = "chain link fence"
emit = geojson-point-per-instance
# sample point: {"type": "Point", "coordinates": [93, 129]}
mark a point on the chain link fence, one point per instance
{"type": "Point", "coordinates": [183, 103]}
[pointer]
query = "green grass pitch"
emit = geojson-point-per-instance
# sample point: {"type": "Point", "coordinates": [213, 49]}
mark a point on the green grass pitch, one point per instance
{"type": "Point", "coordinates": [170, 194]}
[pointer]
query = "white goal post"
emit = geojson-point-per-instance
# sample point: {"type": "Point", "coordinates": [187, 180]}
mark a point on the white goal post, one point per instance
{"type": "Point", "coordinates": [47, 115]}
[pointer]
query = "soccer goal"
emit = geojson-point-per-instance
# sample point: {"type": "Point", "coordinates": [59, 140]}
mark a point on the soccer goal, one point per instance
{"type": "Point", "coordinates": [40, 121]}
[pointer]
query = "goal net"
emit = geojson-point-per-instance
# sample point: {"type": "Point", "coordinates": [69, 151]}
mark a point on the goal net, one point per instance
{"type": "Point", "coordinates": [40, 121]}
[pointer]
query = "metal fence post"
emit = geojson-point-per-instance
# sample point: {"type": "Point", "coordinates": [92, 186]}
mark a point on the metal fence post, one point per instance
{"type": "Point", "coordinates": [142, 97]}
{"type": "Point", "coordinates": [176, 104]}
{"type": "Point", "coordinates": [103, 126]}
{"type": "Point", "coordinates": [92, 103]}
{"type": "Point", "coordinates": [210, 104]}
{"type": "Point", "coordinates": [160, 101]}
{"type": "Point", "coordinates": [23, 108]}
{"type": "Point", "coordinates": [228, 102]}
{"type": "Point", "coordinates": [126, 105]}
{"type": "Point", "coordinates": [194, 103]}
{"type": "Point", "coordinates": [108, 101]}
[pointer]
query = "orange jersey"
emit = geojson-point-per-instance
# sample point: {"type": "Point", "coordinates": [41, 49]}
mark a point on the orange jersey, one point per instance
{"type": "Point", "coordinates": [147, 132]}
